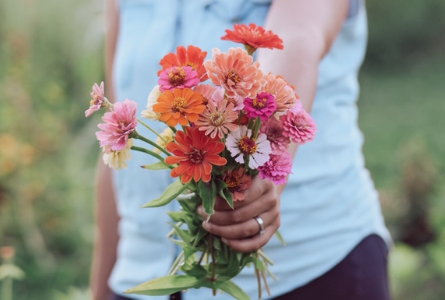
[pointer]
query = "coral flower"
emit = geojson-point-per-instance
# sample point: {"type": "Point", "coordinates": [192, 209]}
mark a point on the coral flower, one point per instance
{"type": "Point", "coordinates": [206, 90]}
{"type": "Point", "coordinates": [179, 106]}
{"type": "Point", "coordinates": [253, 37]}
{"type": "Point", "coordinates": [195, 153]}
{"type": "Point", "coordinates": [235, 71]}
{"type": "Point", "coordinates": [119, 124]}
{"type": "Point", "coordinates": [284, 94]}
{"type": "Point", "coordinates": [217, 120]}
{"type": "Point", "coordinates": [237, 100]}
{"type": "Point", "coordinates": [191, 57]}
{"type": "Point", "coordinates": [98, 99]}
{"type": "Point", "coordinates": [118, 159]}
{"type": "Point", "coordinates": [237, 182]}
{"type": "Point", "coordinates": [277, 168]}
{"type": "Point", "coordinates": [263, 106]}
{"type": "Point", "coordinates": [273, 129]}
{"type": "Point", "coordinates": [241, 143]}
{"type": "Point", "coordinates": [178, 77]}
{"type": "Point", "coordinates": [298, 125]}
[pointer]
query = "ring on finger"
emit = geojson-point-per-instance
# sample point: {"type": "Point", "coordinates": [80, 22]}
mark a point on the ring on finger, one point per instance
{"type": "Point", "coordinates": [261, 223]}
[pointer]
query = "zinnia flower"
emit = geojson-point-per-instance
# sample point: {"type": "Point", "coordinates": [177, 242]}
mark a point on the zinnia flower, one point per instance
{"type": "Point", "coordinates": [118, 159]}
{"type": "Point", "coordinates": [235, 71]}
{"type": "Point", "coordinates": [277, 168]}
{"type": "Point", "coordinates": [240, 143]}
{"type": "Point", "coordinates": [220, 94]}
{"type": "Point", "coordinates": [237, 181]}
{"type": "Point", "coordinates": [298, 125]}
{"type": "Point", "coordinates": [178, 77]}
{"type": "Point", "coordinates": [273, 129]}
{"type": "Point", "coordinates": [195, 153]}
{"type": "Point", "coordinates": [206, 90]}
{"type": "Point", "coordinates": [181, 106]}
{"type": "Point", "coordinates": [152, 100]}
{"type": "Point", "coordinates": [253, 37]}
{"type": "Point", "coordinates": [119, 124]}
{"type": "Point", "coordinates": [284, 94]}
{"type": "Point", "coordinates": [98, 99]}
{"type": "Point", "coordinates": [192, 57]}
{"type": "Point", "coordinates": [165, 137]}
{"type": "Point", "coordinates": [263, 106]}
{"type": "Point", "coordinates": [217, 120]}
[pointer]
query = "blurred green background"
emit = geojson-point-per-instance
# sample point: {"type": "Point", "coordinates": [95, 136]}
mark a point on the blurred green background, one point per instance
{"type": "Point", "coordinates": [52, 51]}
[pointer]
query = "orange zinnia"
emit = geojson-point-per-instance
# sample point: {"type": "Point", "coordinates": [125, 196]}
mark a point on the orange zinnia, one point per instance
{"type": "Point", "coordinates": [253, 37]}
{"type": "Point", "coordinates": [195, 153]}
{"type": "Point", "coordinates": [179, 106]}
{"type": "Point", "coordinates": [192, 57]}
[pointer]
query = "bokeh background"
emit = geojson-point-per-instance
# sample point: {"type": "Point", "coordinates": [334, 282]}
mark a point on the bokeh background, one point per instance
{"type": "Point", "coordinates": [51, 52]}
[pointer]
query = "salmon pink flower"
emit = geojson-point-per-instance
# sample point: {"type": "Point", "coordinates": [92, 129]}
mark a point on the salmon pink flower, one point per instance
{"type": "Point", "coordinates": [206, 90]}
{"type": "Point", "coordinates": [253, 37]}
{"type": "Point", "coordinates": [179, 106]}
{"type": "Point", "coordinates": [235, 71]}
{"type": "Point", "coordinates": [298, 125]}
{"type": "Point", "coordinates": [178, 77]}
{"type": "Point", "coordinates": [195, 153]}
{"type": "Point", "coordinates": [284, 94]}
{"type": "Point", "coordinates": [118, 159]}
{"type": "Point", "coordinates": [98, 95]}
{"type": "Point", "coordinates": [237, 181]}
{"type": "Point", "coordinates": [277, 168]}
{"type": "Point", "coordinates": [118, 126]}
{"type": "Point", "coordinates": [190, 57]}
{"type": "Point", "coordinates": [273, 129]}
{"type": "Point", "coordinates": [237, 100]}
{"type": "Point", "coordinates": [242, 144]}
{"type": "Point", "coordinates": [262, 106]}
{"type": "Point", "coordinates": [217, 120]}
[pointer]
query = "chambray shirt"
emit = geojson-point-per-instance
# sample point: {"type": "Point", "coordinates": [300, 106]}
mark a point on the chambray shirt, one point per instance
{"type": "Point", "coordinates": [330, 203]}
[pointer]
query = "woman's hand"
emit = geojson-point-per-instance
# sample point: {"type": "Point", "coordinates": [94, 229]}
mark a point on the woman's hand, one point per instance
{"type": "Point", "coordinates": [238, 227]}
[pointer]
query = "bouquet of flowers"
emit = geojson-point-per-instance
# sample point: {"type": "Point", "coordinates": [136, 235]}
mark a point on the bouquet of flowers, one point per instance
{"type": "Point", "coordinates": [232, 130]}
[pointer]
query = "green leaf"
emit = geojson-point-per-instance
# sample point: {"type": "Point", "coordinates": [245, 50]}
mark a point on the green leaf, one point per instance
{"type": "Point", "coordinates": [207, 192]}
{"type": "Point", "coordinates": [178, 216]}
{"type": "Point", "coordinates": [183, 234]}
{"type": "Point", "coordinates": [234, 290]}
{"type": "Point", "coordinates": [280, 238]}
{"type": "Point", "coordinates": [224, 192]}
{"type": "Point", "coordinates": [165, 285]}
{"type": "Point", "coordinates": [157, 166]}
{"type": "Point", "coordinates": [172, 191]}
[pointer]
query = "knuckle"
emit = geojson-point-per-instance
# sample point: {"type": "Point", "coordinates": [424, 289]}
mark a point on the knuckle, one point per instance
{"type": "Point", "coordinates": [237, 216]}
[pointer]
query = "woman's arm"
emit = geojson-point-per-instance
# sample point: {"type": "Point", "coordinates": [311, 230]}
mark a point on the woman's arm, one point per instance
{"type": "Point", "coordinates": [107, 238]}
{"type": "Point", "coordinates": [308, 29]}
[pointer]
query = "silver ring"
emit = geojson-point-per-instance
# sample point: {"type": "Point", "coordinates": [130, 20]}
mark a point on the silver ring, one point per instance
{"type": "Point", "coordinates": [261, 223]}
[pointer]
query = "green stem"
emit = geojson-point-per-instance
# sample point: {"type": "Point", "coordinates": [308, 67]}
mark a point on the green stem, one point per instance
{"type": "Point", "coordinates": [7, 288]}
{"type": "Point", "coordinates": [174, 268]}
{"type": "Point", "coordinates": [141, 149]}
{"type": "Point", "coordinates": [136, 135]}
{"type": "Point", "coordinates": [151, 129]}
{"type": "Point", "coordinates": [256, 127]}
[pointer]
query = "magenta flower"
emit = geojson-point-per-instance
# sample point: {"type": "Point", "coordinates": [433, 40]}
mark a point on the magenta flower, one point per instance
{"type": "Point", "coordinates": [178, 77]}
{"type": "Point", "coordinates": [277, 168]}
{"type": "Point", "coordinates": [119, 124]}
{"type": "Point", "coordinates": [298, 125]}
{"type": "Point", "coordinates": [273, 128]}
{"type": "Point", "coordinates": [263, 106]}
{"type": "Point", "coordinates": [98, 95]}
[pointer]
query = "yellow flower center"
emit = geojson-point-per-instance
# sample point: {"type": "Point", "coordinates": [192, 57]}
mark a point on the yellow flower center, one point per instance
{"type": "Point", "coordinates": [179, 103]}
{"type": "Point", "coordinates": [190, 64]}
{"type": "Point", "coordinates": [196, 156]}
{"type": "Point", "coordinates": [259, 103]}
{"type": "Point", "coordinates": [233, 78]}
{"type": "Point", "coordinates": [247, 146]}
{"type": "Point", "coordinates": [217, 119]}
{"type": "Point", "coordinates": [176, 76]}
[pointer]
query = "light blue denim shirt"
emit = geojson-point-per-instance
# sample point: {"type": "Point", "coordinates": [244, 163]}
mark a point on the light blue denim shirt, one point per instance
{"type": "Point", "coordinates": [329, 204]}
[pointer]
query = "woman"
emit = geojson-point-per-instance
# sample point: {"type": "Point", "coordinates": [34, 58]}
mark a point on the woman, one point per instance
{"type": "Point", "coordinates": [328, 211]}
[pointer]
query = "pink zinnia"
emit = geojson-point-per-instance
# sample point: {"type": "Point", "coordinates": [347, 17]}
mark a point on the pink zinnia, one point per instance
{"type": "Point", "coordinates": [119, 124]}
{"type": "Point", "coordinates": [284, 95]}
{"type": "Point", "coordinates": [98, 95]}
{"type": "Point", "coordinates": [273, 128]}
{"type": "Point", "coordinates": [235, 71]}
{"type": "Point", "coordinates": [237, 182]}
{"type": "Point", "coordinates": [178, 77]}
{"type": "Point", "coordinates": [220, 94]}
{"type": "Point", "coordinates": [206, 90]}
{"type": "Point", "coordinates": [263, 106]}
{"type": "Point", "coordinates": [241, 143]}
{"type": "Point", "coordinates": [277, 168]}
{"type": "Point", "coordinates": [298, 125]}
{"type": "Point", "coordinates": [218, 120]}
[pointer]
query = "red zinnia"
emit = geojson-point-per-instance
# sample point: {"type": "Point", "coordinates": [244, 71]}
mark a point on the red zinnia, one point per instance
{"type": "Point", "coordinates": [253, 37]}
{"type": "Point", "coordinates": [192, 57]}
{"type": "Point", "coordinates": [195, 153]}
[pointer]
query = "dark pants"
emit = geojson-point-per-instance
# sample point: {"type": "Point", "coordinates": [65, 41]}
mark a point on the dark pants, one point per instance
{"type": "Point", "coordinates": [362, 275]}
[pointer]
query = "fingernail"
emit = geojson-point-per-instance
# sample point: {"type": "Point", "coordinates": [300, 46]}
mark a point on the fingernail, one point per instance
{"type": "Point", "coordinates": [204, 225]}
